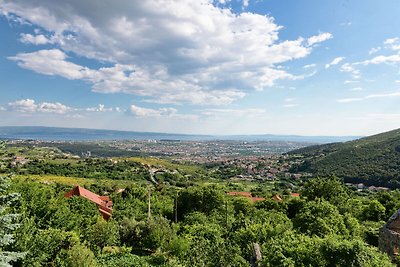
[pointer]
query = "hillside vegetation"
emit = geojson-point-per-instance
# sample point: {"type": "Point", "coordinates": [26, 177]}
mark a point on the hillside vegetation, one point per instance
{"type": "Point", "coordinates": [373, 160]}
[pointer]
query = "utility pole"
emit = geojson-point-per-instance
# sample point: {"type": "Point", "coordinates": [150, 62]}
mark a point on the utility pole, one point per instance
{"type": "Point", "coordinates": [149, 203]}
{"type": "Point", "coordinates": [226, 214]}
{"type": "Point", "coordinates": [176, 207]}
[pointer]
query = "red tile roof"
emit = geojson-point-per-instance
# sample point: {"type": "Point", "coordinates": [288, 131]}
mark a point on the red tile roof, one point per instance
{"type": "Point", "coordinates": [103, 202]}
{"type": "Point", "coordinates": [246, 195]}
{"type": "Point", "coordinates": [243, 194]}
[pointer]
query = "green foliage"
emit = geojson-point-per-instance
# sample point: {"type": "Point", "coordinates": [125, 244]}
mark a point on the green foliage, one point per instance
{"type": "Point", "coordinates": [300, 250]}
{"type": "Point", "coordinates": [327, 226]}
{"type": "Point", "coordinates": [374, 211]}
{"type": "Point", "coordinates": [331, 189]}
{"type": "Point", "coordinates": [7, 222]}
{"type": "Point", "coordinates": [319, 218]}
{"type": "Point", "coordinates": [103, 233]}
{"type": "Point", "coordinates": [204, 199]}
{"type": "Point", "coordinates": [44, 248]}
{"type": "Point", "coordinates": [90, 168]}
{"type": "Point", "coordinates": [77, 256]}
{"type": "Point", "coordinates": [371, 160]}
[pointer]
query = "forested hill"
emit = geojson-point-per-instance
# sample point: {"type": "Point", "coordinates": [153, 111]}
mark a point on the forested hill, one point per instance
{"type": "Point", "coordinates": [373, 160]}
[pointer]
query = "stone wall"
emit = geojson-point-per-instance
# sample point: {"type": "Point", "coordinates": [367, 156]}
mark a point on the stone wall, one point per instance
{"type": "Point", "coordinates": [389, 241]}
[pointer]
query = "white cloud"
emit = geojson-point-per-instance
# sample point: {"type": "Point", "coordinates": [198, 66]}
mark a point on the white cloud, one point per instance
{"type": "Point", "coordinates": [309, 66]}
{"type": "Point", "coordinates": [50, 62]}
{"type": "Point", "coordinates": [372, 96]}
{"type": "Point", "coordinates": [374, 50]}
{"type": "Point", "coordinates": [290, 105]}
{"type": "Point", "coordinates": [289, 99]}
{"type": "Point", "coordinates": [39, 39]}
{"type": "Point", "coordinates": [349, 100]}
{"type": "Point", "coordinates": [178, 50]}
{"type": "Point", "coordinates": [391, 41]}
{"type": "Point", "coordinates": [350, 81]}
{"type": "Point", "coordinates": [148, 112]}
{"type": "Point", "coordinates": [23, 105]}
{"type": "Point", "coordinates": [100, 108]}
{"type": "Point", "coordinates": [2, 108]}
{"type": "Point", "coordinates": [392, 59]}
{"type": "Point", "coordinates": [319, 38]}
{"type": "Point", "coordinates": [53, 108]}
{"type": "Point", "coordinates": [30, 106]}
{"type": "Point", "coordinates": [334, 62]}
{"type": "Point", "coordinates": [357, 89]}
{"type": "Point", "coordinates": [349, 68]}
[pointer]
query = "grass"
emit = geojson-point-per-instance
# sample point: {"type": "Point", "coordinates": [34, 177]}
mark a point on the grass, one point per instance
{"type": "Point", "coordinates": [73, 180]}
{"type": "Point", "coordinates": [163, 163]}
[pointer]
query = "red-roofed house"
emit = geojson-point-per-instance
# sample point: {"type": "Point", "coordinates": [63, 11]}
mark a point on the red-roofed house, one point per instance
{"type": "Point", "coordinates": [246, 195]}
{"type": "Point", "coordinates": [103, 202]}
{"type": "Point", "coordinates": [243, 194]}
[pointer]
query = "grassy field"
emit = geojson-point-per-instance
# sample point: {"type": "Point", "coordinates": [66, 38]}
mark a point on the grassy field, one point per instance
{"type": "Point", "coordinates": [73, 180]}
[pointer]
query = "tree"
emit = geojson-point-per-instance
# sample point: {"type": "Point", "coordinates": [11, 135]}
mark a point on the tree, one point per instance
{"type": "Point", "coordinates": [7, 223]}
{"type": "Point", "coordinates": [330, 189]}
{"type": "Point", "coordinates": [374, 211]}
{"type": "Point", "coordinates": [319, 218]}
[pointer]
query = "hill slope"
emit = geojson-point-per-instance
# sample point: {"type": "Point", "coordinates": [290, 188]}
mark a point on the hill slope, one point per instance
{"type": "Point", "coordinates": [373, 160]}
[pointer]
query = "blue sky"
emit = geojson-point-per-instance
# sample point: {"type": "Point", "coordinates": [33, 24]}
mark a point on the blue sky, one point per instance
{"type": "Point", "coordinates": [306, 67]}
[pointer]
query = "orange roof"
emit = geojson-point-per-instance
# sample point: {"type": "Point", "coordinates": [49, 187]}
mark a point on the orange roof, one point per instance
{"type": "Point", "coordinates": [103, 202]}
{"type": "Point", "coordinates": [295, 194]}
{"type": "Point", "coordinates": [246, 195]}
{"type": "Point", "coordinates": [255, 199]}
{"type": "Point", "coordinates": [243, 194]}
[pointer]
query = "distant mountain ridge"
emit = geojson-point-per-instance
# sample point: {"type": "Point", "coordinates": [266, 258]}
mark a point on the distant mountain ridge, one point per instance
{"type": "Point", "coordinates": [373, 160]}
{"type": "Point", "coordinates": [81, 134]}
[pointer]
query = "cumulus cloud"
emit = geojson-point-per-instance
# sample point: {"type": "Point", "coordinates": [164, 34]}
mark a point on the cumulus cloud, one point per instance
{"type": "Point", "coordinates": [23, 105]}
{"type": "Point", "coordinates": [39, 39]}
{"type": "Point", "coordinates": [392, 59]}
{"type": "Point", "coordinates": [319, 38]}
{"type": "Point", "coordinates": [30, 106]}
{"type": "Point", "coordinates": [101, 108]}
{"type": "Point", "coordinates": [179, 51]}
{"type": "Point", "coordinates": [149, 112]}
{"type": "Point", "coordinates": [334, 62]}
{"type": "Point", "coordinates": [349, 68]}
{"type": "Point", "coordinates": [391, 41]}
{"type": "Point", "coordinates": [53, 108]}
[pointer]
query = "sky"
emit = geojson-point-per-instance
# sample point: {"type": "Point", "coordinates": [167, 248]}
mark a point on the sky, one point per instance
{"type": "Point", "coordinates": [305, 67]}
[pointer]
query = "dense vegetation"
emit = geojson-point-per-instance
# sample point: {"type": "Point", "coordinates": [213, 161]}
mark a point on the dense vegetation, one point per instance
{"type": "Point", "coordinates": [200, 226]}
{"type": "Point", "coordinates": [373, 160]}
{"type": "Point", "coordinates": [188, 223]}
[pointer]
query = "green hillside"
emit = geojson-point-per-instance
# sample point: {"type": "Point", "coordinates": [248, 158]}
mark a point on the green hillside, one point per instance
{"type": "Point", "coordinates": [373, 160]}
